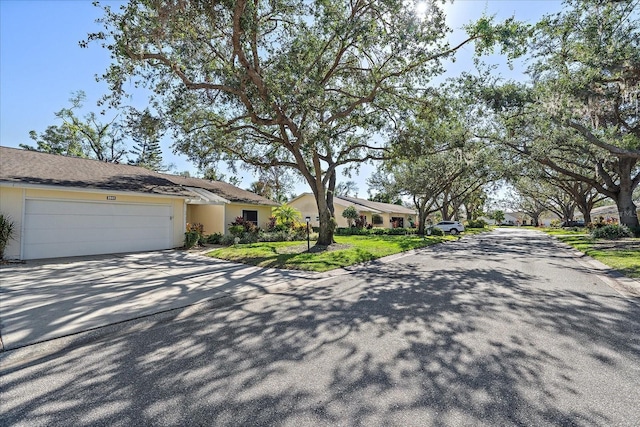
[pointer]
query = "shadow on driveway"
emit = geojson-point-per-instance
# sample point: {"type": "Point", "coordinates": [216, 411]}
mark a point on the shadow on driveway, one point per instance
{"type": "Point", "coordinates": [48, 299]}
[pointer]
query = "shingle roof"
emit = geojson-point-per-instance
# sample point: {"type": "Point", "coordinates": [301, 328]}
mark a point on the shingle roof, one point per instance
{"type": "Point", "coordinates": [367, 205]}
{"type": "Point", "coordinates": [33, 167]}
{"type": "Point", "coordinates": [379, 206]}
{"type": "Point", "coordinates": [223, 189]}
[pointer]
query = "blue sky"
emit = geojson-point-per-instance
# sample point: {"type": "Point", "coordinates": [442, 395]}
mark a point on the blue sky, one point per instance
{"type": "Point", "coordinates": [41, 63]}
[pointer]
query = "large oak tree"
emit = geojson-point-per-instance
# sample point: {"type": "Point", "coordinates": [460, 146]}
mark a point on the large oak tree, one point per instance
{"type": "Point", "coordinates": [311, 85]}
{"type": "Point", "coordinates": [580, 117]}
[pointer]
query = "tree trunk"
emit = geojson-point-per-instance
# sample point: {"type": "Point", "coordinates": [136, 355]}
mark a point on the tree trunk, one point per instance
{"type": "Point", "coordinates": [585, 209]}
{"type": "Point", "coordinates": [422, 215]}
{"type": "Point", "coordinates": [624, 199]}
{"type": "Point", "coordinates": [627, 210]}
{"type": "Point", "coordinates": [324, 201]}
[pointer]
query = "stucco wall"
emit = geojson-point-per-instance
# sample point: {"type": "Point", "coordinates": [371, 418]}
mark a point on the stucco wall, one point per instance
{"type": "Point", "coordinates": [306, 204]}
{"type": "Point", "coordinates": [12, 203]}
{"type": "Point", "coordinates": [212, 217]}
{"type": "Point", "coordinates": [11, 206]}
{"type": "Point", "coordinates": [233, 210]}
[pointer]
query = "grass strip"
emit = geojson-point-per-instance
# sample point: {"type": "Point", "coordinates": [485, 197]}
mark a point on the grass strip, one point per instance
{"type": "Point", "coordinates": [625, 260]}
{"type": "Point", "coordinates": [347, 251]}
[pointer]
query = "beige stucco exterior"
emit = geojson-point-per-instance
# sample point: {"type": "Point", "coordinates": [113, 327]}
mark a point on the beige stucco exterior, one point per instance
{"type": "Point", "coordinates": [217, 218]}
{"type": "Point", "coordinates": [306, 204]}
{"type": "Point", "coordinates": [234, 210]}
{"type": "Point", "coordinates": [13, 197]}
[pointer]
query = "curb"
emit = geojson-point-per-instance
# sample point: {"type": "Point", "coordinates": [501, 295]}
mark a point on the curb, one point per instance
{"type": "Point", "coordinates": [625, 286]}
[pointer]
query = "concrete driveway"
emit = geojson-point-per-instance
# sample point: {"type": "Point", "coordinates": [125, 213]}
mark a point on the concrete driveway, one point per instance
{"type": "Point", "coordinates": [48, 299]}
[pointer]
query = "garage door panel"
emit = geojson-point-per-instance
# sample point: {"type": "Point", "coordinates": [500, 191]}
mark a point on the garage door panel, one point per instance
{"type": "Point", "coordinates": [69, 228]}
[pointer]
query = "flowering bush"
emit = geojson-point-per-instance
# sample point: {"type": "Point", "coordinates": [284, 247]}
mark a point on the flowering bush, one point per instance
{"type": "Point", "coordinates": [194, 235]}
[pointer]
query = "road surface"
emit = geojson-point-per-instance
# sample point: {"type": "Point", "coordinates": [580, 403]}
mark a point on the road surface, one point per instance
{"type": "Point", "coordinates": [498, 329]}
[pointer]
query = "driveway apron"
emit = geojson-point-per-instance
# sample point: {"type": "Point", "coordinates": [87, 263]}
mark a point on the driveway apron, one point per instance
{"type": "Point", "coordinates": [43, 300]}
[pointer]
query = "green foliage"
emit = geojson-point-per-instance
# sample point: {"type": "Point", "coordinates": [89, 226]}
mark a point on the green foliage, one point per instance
{"type": "Point", "coordinates": [346, 188]}
{"type": "Point", "coordinates": [146, 131]}
{"type": "Point", "coordinates": [7, 229]}
{"type": "Point", "coordinates": [351, 214]}
{"type": "Point", "coordinates": [498, 216]}
{"type": "Point", "coordinates": [286, 215]}
{"type": "Point", "coordinates": [240, 225]}
{"type": "Point", "coordinates": [376, 231]}
{"type": "Point", "coordinates": [578, 116]}
{"type": "Point", "coordinates": [82, 137]}
{"type": "Point", "coordinates": [194, 235]}
{"type": "Point", "coordinates": [435, 231]}
{"type": "Point", "coordinates": [280, 84]}
{"type": "Point", "coordinates": [214, 239]}
{"type": "Point", "coordinates": [476, 223]}
{"type": "Point", "coordinates": [612, 232]}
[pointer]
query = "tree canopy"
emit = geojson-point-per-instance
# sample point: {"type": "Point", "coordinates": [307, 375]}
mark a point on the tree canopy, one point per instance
{"type": "Point", "coordinates": [579, 117]}
{"type": "Point", "coordinates": [308, 85]}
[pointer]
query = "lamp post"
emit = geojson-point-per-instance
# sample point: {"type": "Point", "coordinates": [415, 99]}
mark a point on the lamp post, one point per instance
{"type": "Point", "coordinates": [308, 218]}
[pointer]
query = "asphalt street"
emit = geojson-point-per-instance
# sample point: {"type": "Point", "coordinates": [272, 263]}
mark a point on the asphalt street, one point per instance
{"type": "Point", "coordinates": [502, 329]}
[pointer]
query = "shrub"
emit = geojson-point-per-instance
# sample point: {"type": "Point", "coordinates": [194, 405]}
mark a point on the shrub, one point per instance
{"type": "Point", "coordinates": [286, 215]}
{"type": "Point", "coordinates": [214, 239]}
{"type": "Point", "coordinates": [476, 223]}
{"type": "Point", "coordinates": [240, 225]}
{"type": "Point", "coordinates": [378, 231]}
{"type": "Point", "coordinates": [436, 231]}
{"type": "Point", "coordinates": [611, 231]}
{"type": "Point", "coordinates": [556, 223]}
{"type": "Point", "coordinates": [271, 223]}
{"type": "Point", "coordinates": [228, 240]}
{"type": "Point", "coordinates": [360, 221]}
{"type": "Point", "coordinates": [193, 235]}
{"type": "Point", "coordinates": [351, 231]}
{"type": "Point", "coordinates": [7, 227]}
{"type": "Point", "coordinates": [351, 214]}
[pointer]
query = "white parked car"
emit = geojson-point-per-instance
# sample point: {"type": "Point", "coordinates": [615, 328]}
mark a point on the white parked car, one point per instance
{"type": "Point", "coordinates": [453, 227]}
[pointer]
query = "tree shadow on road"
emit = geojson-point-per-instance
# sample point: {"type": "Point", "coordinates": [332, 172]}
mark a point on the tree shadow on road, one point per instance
{"type": "Point", "coordinates": [395, 345]}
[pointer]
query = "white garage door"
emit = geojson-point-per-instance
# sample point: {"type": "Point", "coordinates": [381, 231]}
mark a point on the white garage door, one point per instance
{"type": "Point", "coordinates": [55, 228]}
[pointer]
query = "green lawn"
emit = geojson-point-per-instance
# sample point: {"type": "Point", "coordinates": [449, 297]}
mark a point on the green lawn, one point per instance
{"type": "Point", "coordinates": [624, 258]}
{"type": "Point", "coordinates": [348, 251]}
{"type": "Point", "coordinates": [563, 232]}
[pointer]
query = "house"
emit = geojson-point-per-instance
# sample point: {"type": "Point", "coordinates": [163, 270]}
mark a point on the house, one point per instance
{"type": "Point", "coordinates": [608, 212]}
{"type": "Point", "coordinates": [218, 204]}
{"type": "Point", "coordinates": [378, 214]}
{"type": "Point", "coordinates": [67, 206]}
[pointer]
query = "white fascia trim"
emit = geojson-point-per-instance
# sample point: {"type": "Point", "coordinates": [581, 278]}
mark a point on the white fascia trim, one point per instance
{"type": "Point", "coordinates": [206, 197]}
{"type": "Point", "coordinates": [88, 190]}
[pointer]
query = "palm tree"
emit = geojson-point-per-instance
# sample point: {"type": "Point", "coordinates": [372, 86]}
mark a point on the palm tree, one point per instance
{"type": "Point", "coordinates": [286, 215]}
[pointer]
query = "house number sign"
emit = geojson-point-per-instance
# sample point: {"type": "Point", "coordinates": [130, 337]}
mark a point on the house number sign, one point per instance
{"type": "Point", "coordinates": [111, 197]}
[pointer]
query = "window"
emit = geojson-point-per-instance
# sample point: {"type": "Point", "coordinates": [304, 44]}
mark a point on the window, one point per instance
{"type": "Point", "coordinates": [250, 216]}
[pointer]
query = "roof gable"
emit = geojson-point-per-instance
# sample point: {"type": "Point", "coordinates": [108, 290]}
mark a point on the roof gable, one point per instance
{"type": "Point", "coordinates": [365, 205]}
{"type": "Point", "coordinates": [376, 206]}
{"type": "Point", "coordinates": [223, 189]}
{"type": "Point", "coordinates": [36, 168]}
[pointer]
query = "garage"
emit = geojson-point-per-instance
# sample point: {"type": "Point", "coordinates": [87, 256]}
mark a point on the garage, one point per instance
{"type": "Point", "coordinates": [61, 228]}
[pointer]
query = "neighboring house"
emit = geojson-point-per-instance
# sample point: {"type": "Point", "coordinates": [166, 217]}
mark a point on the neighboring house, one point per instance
{"type": "Point", "coordinates": [608, 212]}
{"type": "Point", "coordinates": [521, 218]}
{"type": "Point", "coordinates": [68, 206]}
{"type": "Point", "coordinates": [218, 204]}
{"type": "Point", "coordinates": [389, 215]}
